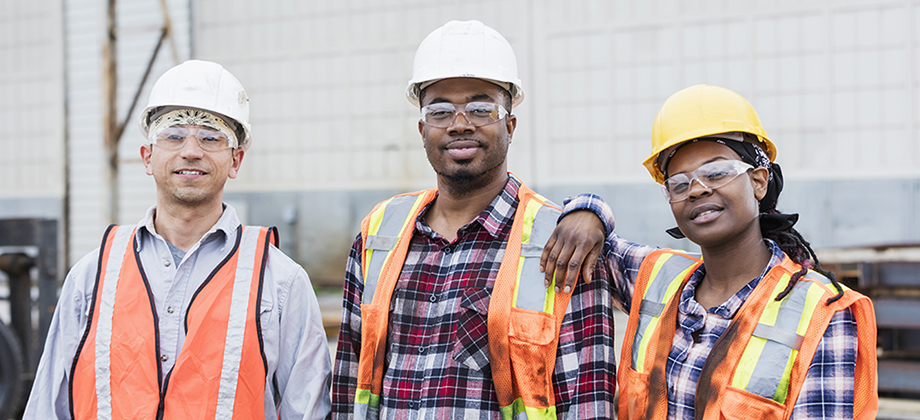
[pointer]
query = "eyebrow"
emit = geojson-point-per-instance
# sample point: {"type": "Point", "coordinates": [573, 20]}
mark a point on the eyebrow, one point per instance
{"type": "Point", "coordinates": [474, 98]}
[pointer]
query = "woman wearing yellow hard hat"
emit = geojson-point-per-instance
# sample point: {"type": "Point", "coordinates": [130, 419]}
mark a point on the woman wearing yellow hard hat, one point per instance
{"type": "Point", "coordinates": [754, 329]}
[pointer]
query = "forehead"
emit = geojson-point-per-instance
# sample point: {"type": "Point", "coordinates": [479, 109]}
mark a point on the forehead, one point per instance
{"type": "Point", "coordinates": [691, 156]}
{"type": "Point", "coordinates": [462, 89]}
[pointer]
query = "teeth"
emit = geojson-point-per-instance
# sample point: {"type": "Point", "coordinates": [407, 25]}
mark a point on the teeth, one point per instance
{"type": "Point", "coordinates": [191, 173]}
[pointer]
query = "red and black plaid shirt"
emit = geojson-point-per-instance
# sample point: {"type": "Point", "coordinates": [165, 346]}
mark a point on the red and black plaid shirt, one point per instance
{"type": "Point", "coordinates": [438, 352]}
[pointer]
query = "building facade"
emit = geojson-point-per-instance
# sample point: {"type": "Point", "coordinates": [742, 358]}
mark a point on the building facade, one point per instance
{"type": "Point", "coordinates": [835, 83]}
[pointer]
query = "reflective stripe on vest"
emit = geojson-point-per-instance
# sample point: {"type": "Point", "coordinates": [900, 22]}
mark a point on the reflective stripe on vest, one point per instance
{"type": "Point", "coordinates": [766, 363]}
{"type": "Point", "coordinates": [390, 225]}
{"type": "Point", "coordinates": [116, 371]}
{"type": "Point", "coordinates": [664, 283]}
{"type": "Point", "coordinates": [753, 372]}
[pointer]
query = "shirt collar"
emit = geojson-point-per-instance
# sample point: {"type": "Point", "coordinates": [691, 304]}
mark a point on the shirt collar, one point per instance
{"type": "Point", "coordinates": [225, 227]}
{"type": "Point", "coordinates": [500, 211]}
{"type": "Point", "coordinates": [689, 305]}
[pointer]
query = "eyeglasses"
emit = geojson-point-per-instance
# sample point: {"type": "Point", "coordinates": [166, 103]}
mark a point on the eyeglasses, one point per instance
{"type": "Point", "coordinates": [173, 138]}
{"type": "Point", "coordinates": [442, 114]}
{"type": "Point", "coordinates": [711, 175]}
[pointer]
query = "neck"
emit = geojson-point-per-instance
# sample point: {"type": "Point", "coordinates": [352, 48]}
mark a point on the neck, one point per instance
{"type": "Point", "coordinates": [729, 268]}
{"type": "Point", "coordinates": [183, 226]}
{"type": "Point", "coordinates": [458, 205]}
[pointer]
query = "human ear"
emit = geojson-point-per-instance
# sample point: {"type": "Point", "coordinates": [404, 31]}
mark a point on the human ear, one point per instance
{"type": "Point", "coordinates": [237, 162]}
{"type": "Point", "coordinates": [511, 125]}
{"type": "Point", "coordinates": [146, 151]}
{"type": "Point", "coordinates": [760, 177]}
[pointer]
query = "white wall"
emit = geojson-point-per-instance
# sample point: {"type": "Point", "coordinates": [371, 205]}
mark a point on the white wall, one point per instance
{"type": "Point", "coordinates": [138, 22]}
{"type": "Point", "coordinates": [31, 101]}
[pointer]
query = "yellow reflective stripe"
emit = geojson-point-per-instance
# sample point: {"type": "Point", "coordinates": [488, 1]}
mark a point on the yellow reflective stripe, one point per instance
{"type": "Point", "coordinates": [783, 389]}
{"type": "Point", "coordinates": [815, 293]}
{"type": "Point", "coordinates": [643, 345]}
{"type": "Point", "coordinates": [364, 396]}
{"type": "Point", "coordinates": [754, 348]}
{"type": "Point", "coordinates": [517, 406]}
{"type": "Point", "coordinates": [530, 213]}
{"type": "Point", "coordinates": [373, 227]}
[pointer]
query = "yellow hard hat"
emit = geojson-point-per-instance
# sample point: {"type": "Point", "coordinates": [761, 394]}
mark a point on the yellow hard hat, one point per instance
{"type": "Point", "coordinates": [700, 111]}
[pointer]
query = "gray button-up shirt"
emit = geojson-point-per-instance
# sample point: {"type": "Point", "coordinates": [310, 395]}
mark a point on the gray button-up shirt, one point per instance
{"type": "Point", "coordinates": [294, 339]}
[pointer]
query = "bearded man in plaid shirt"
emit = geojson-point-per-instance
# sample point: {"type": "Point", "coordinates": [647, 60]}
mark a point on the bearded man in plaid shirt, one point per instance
{"type": "Point", "coordinates": [436, 360]}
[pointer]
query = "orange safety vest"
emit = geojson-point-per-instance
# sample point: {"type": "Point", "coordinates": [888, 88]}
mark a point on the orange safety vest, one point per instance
{"type": "Point", "coordinates": [524, 316]}
{"type": "Point", "coordinates": [221, 369]}
{"type": "Point", "coordinates": [758, 366]}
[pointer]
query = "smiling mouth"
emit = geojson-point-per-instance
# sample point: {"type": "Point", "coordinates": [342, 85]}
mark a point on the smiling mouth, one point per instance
{"type": "Point", "coordinates": [190, 172]}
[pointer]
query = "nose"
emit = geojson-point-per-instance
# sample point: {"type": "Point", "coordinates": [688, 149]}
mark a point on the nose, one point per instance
{"type": "Point", "coordinates": [698, 189]}
{"type": "Point", "coordinates": [461, 124]}
{"type": "Point", "coordinates": [191, 149]}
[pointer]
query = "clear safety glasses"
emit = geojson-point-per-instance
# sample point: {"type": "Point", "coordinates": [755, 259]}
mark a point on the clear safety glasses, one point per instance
{"type": "Point", "coordinates": [478, 114]}
{"type": "Point", "coordinates": [173, 138]}
{"type": "Point", "coordinates": [711, 175]}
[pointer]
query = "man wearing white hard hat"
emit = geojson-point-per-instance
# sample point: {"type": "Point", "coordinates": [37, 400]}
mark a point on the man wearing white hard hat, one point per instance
{"type": "Point", "coordinates": [188, 314]}
{"type": "Point", "coordinates": [446, 314]}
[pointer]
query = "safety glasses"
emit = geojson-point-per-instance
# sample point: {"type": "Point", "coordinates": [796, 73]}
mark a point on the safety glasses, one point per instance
{"type": "Point", "coordinates": [478, 114]}
{"type": "Point", "coordinates": [711, 175]}
{"type": "Point", "coordinates": [173, 138]}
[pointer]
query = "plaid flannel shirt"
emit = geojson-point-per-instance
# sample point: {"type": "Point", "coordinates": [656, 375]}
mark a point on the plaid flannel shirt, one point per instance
{"type": "Point", "coordinates": [828, 389]}
{"type": "Point", "coordinates": [437, 359]}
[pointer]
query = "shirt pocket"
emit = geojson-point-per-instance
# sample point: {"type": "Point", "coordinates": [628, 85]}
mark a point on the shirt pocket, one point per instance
{"type": "Point", "coordinates": [472, 347]}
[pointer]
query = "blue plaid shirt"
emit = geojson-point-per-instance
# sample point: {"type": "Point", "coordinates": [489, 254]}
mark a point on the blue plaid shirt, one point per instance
{"type": "Point", "coordinates": [828, 389]}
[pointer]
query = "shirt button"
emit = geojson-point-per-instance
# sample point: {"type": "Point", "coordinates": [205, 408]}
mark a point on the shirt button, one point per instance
{"type": "Point", "coordinates": [422, 349]}
{"type": "Point", "coordinates": [448, 250]}
{"type": "Point", "coordinates": [167, 263]}
{"type": "Point", "coordinates": [413, 404]}
{"type": "Point", "coordinates": [164, 357]}
{"type": "Point", "coordinates": [432, 298]}
{"type": "Point", "coordinates": [170, 309]}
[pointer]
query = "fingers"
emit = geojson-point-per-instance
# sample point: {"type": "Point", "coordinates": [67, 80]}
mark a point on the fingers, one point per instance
{"type": "Point", "coordinates": [547, 259]}
{"type": "Point", "coordinates": [587, 268]}
{"type": "Point", "coordinates": [564, 266]}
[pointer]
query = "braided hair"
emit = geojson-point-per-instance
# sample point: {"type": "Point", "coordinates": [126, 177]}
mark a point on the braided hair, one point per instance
{"type": "Point", "coordinates": [774, 225]}
{"type": "Point", "coordinates": [799, 250]}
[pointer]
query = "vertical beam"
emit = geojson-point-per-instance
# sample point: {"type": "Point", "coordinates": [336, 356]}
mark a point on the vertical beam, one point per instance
{"type": "Point", "coordinates": [110, 110]}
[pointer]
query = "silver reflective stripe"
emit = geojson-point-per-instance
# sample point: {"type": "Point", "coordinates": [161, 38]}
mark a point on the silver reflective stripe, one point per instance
{"type": "Point", "coordinates": [117, 250]}
{"type": "Point", "coordinates": [771, 365]}
{"type": "Point", "coordinates": [530, 250]}
{"type": "Point", "coordinates": [531, 294]}
{"type": "Point", "coordinates": [787, 338]}
{"type": "Point", "coordinates": [236, 325]}
{"type": "Point", "coordinates": [655, 292]}
{"type": "Point", "coordinates": [366, 412]}
{"type": "Point", "coordinates": [652, 308]}
{"type": "Point", "coordinates": [394, 217]}
{"type": "Point", "coordinates": [383, 243]}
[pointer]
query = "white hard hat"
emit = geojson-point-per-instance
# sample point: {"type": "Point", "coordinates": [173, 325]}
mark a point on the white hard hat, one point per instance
{"type": "Point", "coordinates": [201, 85]}
{"type": "Point", "coordinates": [465, 49]}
